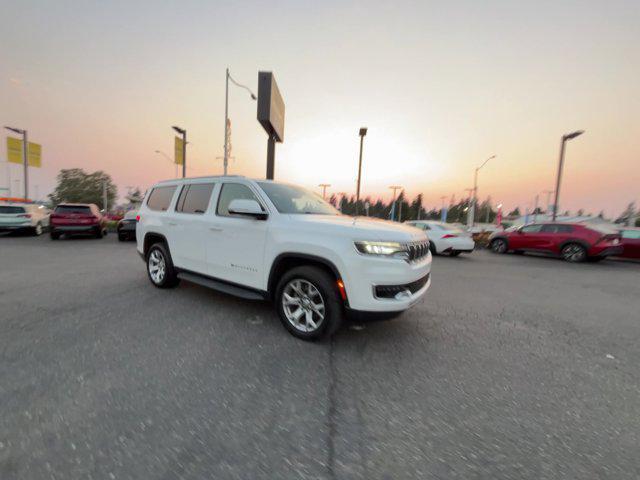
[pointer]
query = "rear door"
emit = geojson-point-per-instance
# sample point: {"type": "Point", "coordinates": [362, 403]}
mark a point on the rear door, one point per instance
{"type": "Point", "coordinates": [10, 216]}
{"type": "Point", "coordinates": [188, 224]}
{"type": "Point", "coordinates": [631, 243]}
{"type": "Point", "coordinates": [235, 244]}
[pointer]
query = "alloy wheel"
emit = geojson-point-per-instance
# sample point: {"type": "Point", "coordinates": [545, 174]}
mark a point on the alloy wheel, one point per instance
{"type": "Point", "coordinates": [303, 305]}
{"type": "Point", "coordinates": [499, 246]}
{"type": "Point", "coordinates": [573, 253]}
{"type": "Point", "coordinates": [157, 266]}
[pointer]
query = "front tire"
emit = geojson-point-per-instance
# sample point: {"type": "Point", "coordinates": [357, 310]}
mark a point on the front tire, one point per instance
{"type": "Point", "coordinates": [54, 235]}
{"type": "Point", "coordinates": [160, 267]}
{"type": "Point", "coordinates": [574, 253]}
{"type": "Point", "coordinates": [309, 303]}
{"type": "Point", "coordinates": [37, 230]}
{"type": "Point", "coordinates": [499, 245]}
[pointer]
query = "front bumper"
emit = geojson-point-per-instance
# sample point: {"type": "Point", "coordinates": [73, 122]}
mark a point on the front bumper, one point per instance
{"type": "Point", "coordinates": [609, 251]}
{"type": "Point", "coordinates": [370, 276]}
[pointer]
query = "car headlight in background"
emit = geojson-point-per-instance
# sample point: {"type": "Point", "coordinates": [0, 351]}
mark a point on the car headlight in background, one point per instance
{"type": "Point", "coordinates": [383, 249]}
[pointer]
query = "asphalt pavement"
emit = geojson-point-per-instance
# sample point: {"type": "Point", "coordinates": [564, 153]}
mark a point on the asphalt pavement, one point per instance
{"type": "Point", "coordinates": [514, 367]}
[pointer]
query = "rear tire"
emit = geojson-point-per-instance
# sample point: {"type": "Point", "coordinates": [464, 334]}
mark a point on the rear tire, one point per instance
{"type": "Point", "coordinates": [54, 235]}
{"type": "Point", "coordinates": [122, 237]}
{"type": "Point", "coordinates": [499, 245]}
{"type": "Point", "coordinates": [37, 230]}
{"type": "Point", "coordinates": [160, 267]}
{"type": "Point", "coordinates": [98, 233]}
{"type": "Point", "coordinates": [574, 253]}
{"type": "Point", "coordinates": [309, 303]}
{"type": "Point", "coordinates": [432, 248]}
{"type": "Point", "coordinates": [454, 254]}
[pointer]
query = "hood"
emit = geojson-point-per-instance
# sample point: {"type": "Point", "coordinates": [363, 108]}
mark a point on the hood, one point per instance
{"type": "Point", "coordinates": [361, 228]}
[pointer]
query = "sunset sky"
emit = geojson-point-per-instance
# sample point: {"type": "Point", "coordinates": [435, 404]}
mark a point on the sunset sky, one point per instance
{"type": "Point", "coordinates": [440, 85]}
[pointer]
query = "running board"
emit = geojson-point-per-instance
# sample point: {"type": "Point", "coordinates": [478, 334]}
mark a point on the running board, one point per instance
{"type": "Point", "coordinates": [223, 287]}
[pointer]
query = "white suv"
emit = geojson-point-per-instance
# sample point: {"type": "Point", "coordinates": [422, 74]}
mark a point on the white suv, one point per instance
{"type": "Point", "coordinates": [24, 216]}
{"type": "Point", "coordinates": [260, 239]}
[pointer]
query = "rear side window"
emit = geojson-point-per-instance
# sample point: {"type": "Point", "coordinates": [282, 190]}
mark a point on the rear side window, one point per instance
{"type": "Point", "coordinates": [232, 191]}
{"type": "Point", "coordinates": [194, 198]}
{"type": "Point", "coordinates": [85, 210]}
{"type": "Point", "coordinates": [631, 234]}
{"type": "Point", "coordinates": [160, 198]}
{"type": "Point", "coordinates": [557, 228]}
{"type": "Point", "coordinates": [10, 209]}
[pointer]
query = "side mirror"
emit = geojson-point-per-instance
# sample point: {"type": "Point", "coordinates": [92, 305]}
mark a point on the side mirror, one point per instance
{"type": "Point", "coordinates": [247, 208]}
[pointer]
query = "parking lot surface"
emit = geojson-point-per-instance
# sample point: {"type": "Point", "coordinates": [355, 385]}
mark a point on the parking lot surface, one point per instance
{"type": "Point", "coordinates": [514, 367]}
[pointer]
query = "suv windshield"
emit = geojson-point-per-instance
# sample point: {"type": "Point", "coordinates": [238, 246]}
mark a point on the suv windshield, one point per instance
{"type": "Point", "coordinates": [293, 199]}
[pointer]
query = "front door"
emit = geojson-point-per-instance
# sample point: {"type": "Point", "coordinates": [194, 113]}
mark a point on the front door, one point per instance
{"type": "Point", "coordinates": [235, 244]}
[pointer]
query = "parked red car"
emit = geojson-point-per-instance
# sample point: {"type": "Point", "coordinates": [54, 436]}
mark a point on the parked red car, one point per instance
{"type": "Point", "coordinates": [77, 218]}
{"type": "Point", "coordinates": [630, 242]}
{"type": "Point", "coordinates": [574, 242]}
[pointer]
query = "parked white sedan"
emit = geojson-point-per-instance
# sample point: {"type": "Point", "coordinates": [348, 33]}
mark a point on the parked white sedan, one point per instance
{"type": "Point", "coordinates": [445, 238]}
{"type": "Point", "coordinates": [23, 216]}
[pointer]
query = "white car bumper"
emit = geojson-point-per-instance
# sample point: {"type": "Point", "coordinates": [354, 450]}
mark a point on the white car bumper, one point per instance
{"type": "Point", "coordinates": [387, 285]}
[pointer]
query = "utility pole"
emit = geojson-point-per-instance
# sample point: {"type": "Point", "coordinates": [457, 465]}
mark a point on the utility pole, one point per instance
{"type": "Point", "coordinates": [105, 199]}
{"type": "Point", "coordinates": [469, 205]}
{"type": "Point", "coordinates": [395, 188]}
{"type": "Point", "coordinates": [324, 186]}
{"type": "Point", "coordinates": [363, 132]}
{"type": "Point", "coordinates": [569, 136]}
{"type": "Point", "coordinates": [535, 210]}
{"type": "Point", "coordinates": [227, 122]}
{"type": "Point", "coordinates": [471, 216]}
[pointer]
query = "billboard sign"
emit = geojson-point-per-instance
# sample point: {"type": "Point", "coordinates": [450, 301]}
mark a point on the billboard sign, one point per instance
{"type": "Point", "coordinates": [14, 152]}
{"type": "Point", "coordinates": [270, 106]}
{"type": "Point", "coordinates": [178, 155]}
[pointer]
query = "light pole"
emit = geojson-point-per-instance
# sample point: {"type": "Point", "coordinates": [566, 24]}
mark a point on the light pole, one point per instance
{"type": "Point", "coordinates": [226, 114]}
{"type": "Point", "coordinates": [363, 132]}
{"type": "Point", "coordinates": [183, 132]}
{"type": "Point", "coordinates": [568, 136]}
{"type": "Point", "coordinates": [25, 160]}
{"type": "Point", "coordinates": [160, 152]}
{"type": "Point", "coordinates": [472, 211]}
{"type": "Point", "coordinates": [324, 187]}
{"type": "Point", "coordinates": [546, 207]}
{"type": "Point", "coordinates": [395, 188]}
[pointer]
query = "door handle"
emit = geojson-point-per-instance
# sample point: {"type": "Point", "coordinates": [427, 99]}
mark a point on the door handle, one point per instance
{"type": "Point", "coordinates": [173, 224]}
{"type": "Point", "coordinates": [215, 229]}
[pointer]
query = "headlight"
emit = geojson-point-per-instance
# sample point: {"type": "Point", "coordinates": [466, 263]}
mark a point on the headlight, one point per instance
{"type": "Point", "coordinates": [384, 249]}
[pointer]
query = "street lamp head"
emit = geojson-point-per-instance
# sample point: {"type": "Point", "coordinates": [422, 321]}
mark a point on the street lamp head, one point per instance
{"type": "Point", "coordinates": [16, 130]}
{"type": "Point", "coordinates": [181, 131]}
{"type": "Point", "coordinates": [363, 131]}
{"type": "Point", "coordinates": [571, 136]}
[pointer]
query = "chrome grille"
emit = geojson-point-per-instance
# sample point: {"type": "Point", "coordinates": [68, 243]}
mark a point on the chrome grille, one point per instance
{"type": "Point", "coordinates": [417, 251]}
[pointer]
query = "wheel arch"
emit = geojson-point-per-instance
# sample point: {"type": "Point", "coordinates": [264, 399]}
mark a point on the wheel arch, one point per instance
{"type": "Point", "coordinates": [288, 260]}
{"type": "Point", "coordinates": [577, 241]}
{"type": "Point", "coordinates": [152, 238]}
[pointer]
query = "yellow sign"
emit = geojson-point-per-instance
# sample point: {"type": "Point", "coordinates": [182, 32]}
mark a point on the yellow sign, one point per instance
{"type": "Point", "coordinates": [179, 152]}
{"type": "Point", "coordinates": [14, 152]}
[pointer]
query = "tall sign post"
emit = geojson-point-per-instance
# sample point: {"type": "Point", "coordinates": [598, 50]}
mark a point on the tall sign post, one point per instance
{"type": "Point", "coordinates": [25, 153]}
{"type": "Point", "coordinates": [270, 116]}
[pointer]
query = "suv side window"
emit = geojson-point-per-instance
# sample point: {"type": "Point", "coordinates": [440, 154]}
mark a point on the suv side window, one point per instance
{"type": "Point", "coordinates": [160, 198]}
{"type": "Point", "coordinates": [531, 228]}
{"type": "Point", "coordinates": [233, 191]}
{"type": "Point", "coordinates": [194, 198]}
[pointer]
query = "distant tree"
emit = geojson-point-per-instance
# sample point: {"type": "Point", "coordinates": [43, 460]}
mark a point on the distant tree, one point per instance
{"type": "Point", "coordinates": [515, 212]}
{"type": "Point", "coordinates": [77, 186]}
{"type": "Point", "coordinates": [638, 222]}
{"type": "Point", "coordinates": [627, 216]}
{"type": "Point", "coordinates": [580, 212]}
{"type": "Point", "coordinates": [333, 200]}
{"type": "Point", "coordinates": [135, 196]}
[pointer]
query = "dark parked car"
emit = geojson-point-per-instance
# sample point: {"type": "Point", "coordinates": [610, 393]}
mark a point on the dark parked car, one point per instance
{"type": "Point", "coordinates": [574, 242]}
{"type": "Point", "coordinates": [630, 242]}
{"type": "Point", "coordinates": [127, 226]}
{"type": "Point", "coordinates": [77, 218]}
